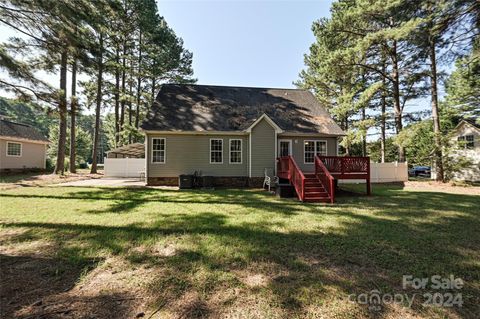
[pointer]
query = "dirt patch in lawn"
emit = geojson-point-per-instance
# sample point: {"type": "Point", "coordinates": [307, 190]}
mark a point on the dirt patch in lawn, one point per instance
{"type": "Point", "coordinates": [451, 188]}
{"type": "Point", "coordinates": [12, 181]}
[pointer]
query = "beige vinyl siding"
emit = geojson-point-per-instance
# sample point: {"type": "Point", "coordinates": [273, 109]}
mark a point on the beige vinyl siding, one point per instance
{"type": "Point", "coordinates": [186, 154]}
{"type": "Point", "coordinates": [263, 139]}
{"type": "Point", "coordinates": [297, 148]}
{"type": "Point", "coordinates": [32, 155]}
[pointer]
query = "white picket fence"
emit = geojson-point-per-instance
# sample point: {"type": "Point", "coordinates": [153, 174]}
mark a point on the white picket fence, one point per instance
{"type": "Point", "coordinates": [384, 173]}
{"type": "Point", "coordinates": [124, 167]}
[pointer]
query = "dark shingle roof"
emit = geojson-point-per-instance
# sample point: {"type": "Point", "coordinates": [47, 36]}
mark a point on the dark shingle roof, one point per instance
{"type": "Point", "coordinates": [18, 130]}
{"type": "Point", "coordinates": [475, 121]}
{"type": "Point", "coordinates": [188, 107]}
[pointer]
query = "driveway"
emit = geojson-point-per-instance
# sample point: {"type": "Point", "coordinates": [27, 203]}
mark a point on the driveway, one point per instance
{"type": "Point", "coordinates": [107, 181]}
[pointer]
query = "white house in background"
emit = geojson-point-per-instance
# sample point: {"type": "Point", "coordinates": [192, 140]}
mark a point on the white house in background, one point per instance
{"type": "Point", "coordinates": [467, 138]}
{"type": "Point", "coordinates": [21, 147]}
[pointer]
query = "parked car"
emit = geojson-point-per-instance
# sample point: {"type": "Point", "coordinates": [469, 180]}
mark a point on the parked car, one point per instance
{"type": "Point", "coordinates": [423, 171]}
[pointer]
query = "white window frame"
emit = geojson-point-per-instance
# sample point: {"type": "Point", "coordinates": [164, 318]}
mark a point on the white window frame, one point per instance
{"type": "Point", "coordinates": [21, 149]}
{"type": "Point", "coordinates": [210, 150]}
{"type": "Point", "coordinates": [315, 150]}
{"type": "Point", "coordinates": [230, 151]}
{"type": "Point", "coordinates": [164, 150]}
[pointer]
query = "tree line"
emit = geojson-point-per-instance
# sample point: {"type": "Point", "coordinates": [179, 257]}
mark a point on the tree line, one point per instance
{"type": "Point", "coordinates": [371, 58]}
{"type": "Point", "coordinates": [117, 53]}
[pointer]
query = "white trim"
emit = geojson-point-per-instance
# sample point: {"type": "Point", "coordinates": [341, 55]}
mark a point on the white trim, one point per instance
{"type": "Point", "coordinates": [240, 133]}
{"type": "Point", "coordinates": [314, 150]}
{"type": "Point", "coordinates": [250, 155]}
{"type": "Point", "coordinates": [275, 155]}
{"type": "Point", "coordinates": [269, 120]}
{"type": "Point", "coordinates": [290, 147]}
{"type": "Point", "coordinates": [146, 157]}
{"type": "Point", "coordinates": [230, 150]}
{"type": "Point", "coordinates": [463, 122]}
{"type": "Point", "coordinates": [210, 150]}
{"type": "Point", "coordinates": [164, 150]}
{"type": "Point", "coordinates": [25, 140]}
{"type": "Point", "coordinates": [11, 142]}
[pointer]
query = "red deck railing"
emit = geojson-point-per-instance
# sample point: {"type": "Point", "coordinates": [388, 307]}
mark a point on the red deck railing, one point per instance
{"type": "Point", "coordinates": [327, 180]}
{"type": "Point", "coordinates": [288, 168]}
{"type": "Point", "coordinates": [348, 167]}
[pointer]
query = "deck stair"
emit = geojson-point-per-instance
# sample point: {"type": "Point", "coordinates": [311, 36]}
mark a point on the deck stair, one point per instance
{"type": "Point", "coordinates": [319, 186]}
{"type": "Point", "coordinates": [314, 190]}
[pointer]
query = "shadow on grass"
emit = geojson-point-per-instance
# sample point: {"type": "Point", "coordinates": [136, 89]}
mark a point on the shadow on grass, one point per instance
{"type": "Point", "coordinates": [26, 281]}
{"type": "Point", "coordinates": [405, 233]}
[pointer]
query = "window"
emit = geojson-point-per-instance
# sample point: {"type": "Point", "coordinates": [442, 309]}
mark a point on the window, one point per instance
{"type": "Point", "coordinates": [235, 151]}
{"type": "Point", "coordinates": [321, 148]}
{"type": "Point", "coordinates": [158, 150]}
{"type": "Point", "coordinates": [216, 151]}
{"type": "Point", "coordinates": [312, 148]}
{"type": "Point", "coordinates": [466, 141]}
{"type": "Point", "coordinates": [14, 149]}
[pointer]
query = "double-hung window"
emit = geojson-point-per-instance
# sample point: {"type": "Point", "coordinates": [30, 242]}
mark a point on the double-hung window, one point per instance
{"type": "Point", "coordinates": [312, 148]}
{"type": "Point", "coordinates": [216, 151]}
{"type": "Point", "coordinates": [14, 149]}
{"type": "Point", "coordinates": [235, 151]}
{"type": "Point", "coordinates": [158, 150]}
{"type": "Point", "coordinates": [467, 141]}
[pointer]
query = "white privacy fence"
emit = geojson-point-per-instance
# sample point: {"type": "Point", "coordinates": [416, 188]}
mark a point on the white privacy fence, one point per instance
{"type": "Point", "coordinates": [124, 167]}
{"type": "Point", "coordinates": [384, 173]}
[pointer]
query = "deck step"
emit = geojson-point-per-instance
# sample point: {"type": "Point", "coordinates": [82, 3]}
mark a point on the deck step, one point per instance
{"type": "Point", "coordinates": [317, 200]}
{"type": "Point", "coordinates": [315, 194]}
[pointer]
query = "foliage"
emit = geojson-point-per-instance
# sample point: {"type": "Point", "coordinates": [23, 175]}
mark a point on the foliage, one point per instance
{"type": "Point", "coordinates": [371, 57]}
{"type": "Point", "coordinates": [124, 47]}
{"type": "Point", "coordinates": [83, 142]}
{"type": "Point", "coordinates": [390, 150]}
{"type": "Point", "coordinates": [29, 113]}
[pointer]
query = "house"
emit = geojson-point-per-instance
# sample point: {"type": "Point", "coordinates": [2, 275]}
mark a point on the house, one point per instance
{"type": "Point", "coordinates": [237, 134]}
{"type": "Point", "coordinates": [21, 147]}
{"type": "Point", "coordinates": [466, 138]}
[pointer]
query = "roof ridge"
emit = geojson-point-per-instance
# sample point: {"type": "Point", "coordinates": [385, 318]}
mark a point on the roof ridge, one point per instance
{"type": "Point", "coordinates": [236, 86]}
{"type": "Point", "coordinates": [23, 124]}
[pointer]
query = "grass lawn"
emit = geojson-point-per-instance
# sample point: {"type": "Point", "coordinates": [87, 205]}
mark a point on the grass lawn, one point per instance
{"type": "Point", "coordinates": [115, 252]}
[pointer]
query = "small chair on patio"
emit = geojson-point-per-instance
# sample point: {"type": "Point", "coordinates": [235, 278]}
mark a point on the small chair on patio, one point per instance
{"type": "Point", "coordinates": [269, 181]}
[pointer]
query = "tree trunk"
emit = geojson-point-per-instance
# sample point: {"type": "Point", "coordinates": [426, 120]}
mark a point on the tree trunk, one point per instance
{"type": "Point", "coordinates": [130, 93]}
{"type": "Point", "coordinates": [117, 96]}
{"type": "Point", "coordinates": [383, 117]}
{"type": "Point", "coordinates": [435, 117]}
{"type": "Point", "coordinates": [396, 99]}
{"type": "Point", "coordinates": [98, 106]}
{"type": "Point", "coordinates": [62, 110]}
{"type": "Point", "coordinates": [139, 80]}
{"type": "Point", "coordinates": [124, 78]}
{"type": "Point", "coordinates": [364, 135]}
{"type": "Point", "coordinates": [153, 89]}
{"type": "Point", "coordinates": [73, 114]}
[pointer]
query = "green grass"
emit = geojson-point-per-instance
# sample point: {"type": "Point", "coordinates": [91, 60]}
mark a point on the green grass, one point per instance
{"type": "Point", "coordinates": [247, 251]}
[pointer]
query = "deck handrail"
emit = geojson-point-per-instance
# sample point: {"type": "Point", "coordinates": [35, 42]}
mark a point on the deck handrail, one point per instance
{"type": "Point", "coordinates": [295, 175]}
{"type": "Point", "coordinates": [346, 164]}
{"type": "Point", "coordinates": [328, 181]}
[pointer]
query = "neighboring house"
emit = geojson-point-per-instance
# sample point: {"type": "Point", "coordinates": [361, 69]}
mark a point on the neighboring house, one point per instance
{"type": "Point", "coordinates": [21, 147]}
{"type": "Point", "coordinates": [467, 139]}
{"type": "Point", "coordinates": [234, 133]}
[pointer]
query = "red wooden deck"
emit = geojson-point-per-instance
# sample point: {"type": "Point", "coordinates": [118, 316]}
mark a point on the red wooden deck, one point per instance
{"type": "Point", "coordinates": [320, 185]}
